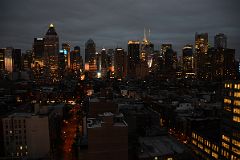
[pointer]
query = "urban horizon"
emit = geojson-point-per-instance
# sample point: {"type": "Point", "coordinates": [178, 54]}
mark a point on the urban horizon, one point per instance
{"type": "Point", "coordinates": [119, 80]}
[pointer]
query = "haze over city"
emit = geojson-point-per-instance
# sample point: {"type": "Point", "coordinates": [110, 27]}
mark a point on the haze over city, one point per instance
{"type": "Point", "coordinates": [113, 23]}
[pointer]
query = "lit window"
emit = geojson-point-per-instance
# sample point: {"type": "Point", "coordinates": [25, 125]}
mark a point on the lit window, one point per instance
{"type": "Point", "coordinates": [237, 103]}
{"type": "Point", "coordinates": [236, 110]}
{"type": "Point", "coordinates": [215, 155]}
{"type": "Point", "coordinates": [225, 145]}
{"type": "Point", "coordinates": [236, 94]}
{"type": "Point", "coordinates": [226, 138]}
{"type": "Point", "coordinates": [207, 150]}
{"type": "Point", "coordinates": [236, 118]}
{"type": "Point", "coordinates": [227, 101]}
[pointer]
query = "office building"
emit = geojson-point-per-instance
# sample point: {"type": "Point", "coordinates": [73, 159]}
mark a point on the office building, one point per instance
{"type": "Point", "coordinates": [38, 50]}
{"type": "Point", "coordinates": [90, 51]}
{"type": "Point", "coordinates": [51, 53]}
{"type": "Point", "coordinates": [201, 55]}
{"type": "Point", "coordinates": [120, 63]}
{"type": "Point", "coordinates": [133, 57]}
{"type": "Point", "coordinates": [146, 49]}
{"type": "Point", "coordinates": [230, 139]}
{"type": "Point", "coordinates": [2, 57]}
{"type": "Point", "coordinates": [220, 41]}
{"type": "Point", "coordinates": [66, 50]}
{"type": "Point", "coordinates": [23, 134]}
{"type": "Point", "coordinates": [188, 61]}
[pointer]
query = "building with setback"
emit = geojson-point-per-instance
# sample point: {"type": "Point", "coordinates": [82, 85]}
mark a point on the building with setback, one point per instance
{"type": "Point", "coordinates": [51, 53]}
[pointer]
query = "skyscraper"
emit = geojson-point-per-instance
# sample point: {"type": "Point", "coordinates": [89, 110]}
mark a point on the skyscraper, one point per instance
{"type": "Point", "coordinates": [76, 60]}
{"type": "Point", "coordinates": [2, 55]}
{"type": "Point", "coordinates": [187, 60]}
{"type": "Point", "coordinates": [147, 49]}
{"type": "Point", "coordinates": [66, 50]}
{"type": "Point", "coordinates": [120, 63]}
{"type": "Point", "coordinates": [201, 55]}
{"type": "Point", "coordinates": [51, 53]}
{"type": "Point", "coordinates": [12, 59]}
{"type": "Point", "coordinates": [38, 50]}
{"type": "Point", "coordinates": [133, 57]}
{"type": "Point", "coordinates": [90, 57]}
{"type": "Point", "coordinates": [220, 41]}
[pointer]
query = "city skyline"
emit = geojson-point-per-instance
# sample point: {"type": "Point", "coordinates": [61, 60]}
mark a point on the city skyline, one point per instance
{"type": "Point", "coordinates": [109, 26]}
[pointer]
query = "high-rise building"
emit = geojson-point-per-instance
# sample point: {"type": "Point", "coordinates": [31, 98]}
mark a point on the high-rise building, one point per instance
{"type": "Point", "coordinates": [229, 68]}
{"type": "Point", "coordinates": [66, 50]}
{"type": "Point", "coordinates": [220, 41]}
{"type": "Point", "coordinates": [133, 57]}
{"type": "Point", "coordinates": [38, 50]}
{"type": "Point", "coordinates": [104, 62]}
{"type": "Point", "coordinates": [164, 48]}
{"type": "Point", "coordinates": [76, 63]}
{"type": "Point", "coordinates": [201, 55]}
{"type": "Point", "coordinates": [120, 63]}
{"type": "Point", "coordinates": [188, 60]}
{"type": "Point", "coordinates": [230, 135]}
{"type": "Point", "coordinates": [146, 50]}
{"type": "Point", "coordinates": [12, 59]}
{"type": "Point", "coordinates": [2, 56]}
{"type": "Point", "coordinates": [90, 50]}
{"type": "Point", "coordinates": [51, 53]}
{"type": "Point", "coordinates": [201, 42]}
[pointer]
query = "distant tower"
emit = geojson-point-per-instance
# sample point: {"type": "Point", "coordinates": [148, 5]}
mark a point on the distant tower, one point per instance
{"type": "Point", "coordinates": [51, 52]}
{"type": "Point", "coordinates": [187, 59]}
{"type": "Point", "coordinates": [201, 55]}
{"type": "Point", "coordinates": [120, 63]}
{"type": "Point", "coordinates": [38, 49]}
{"type": "Point", "coordinates": [90, 50]}
{"type": "Point", "coordinates": [133, 57]}
{"type": "Point", "coordinates": [66, 48]}
{"type": "Point", "coordinates": [147, 49]}
{"type": "Point", "coordinates": [220, 41]}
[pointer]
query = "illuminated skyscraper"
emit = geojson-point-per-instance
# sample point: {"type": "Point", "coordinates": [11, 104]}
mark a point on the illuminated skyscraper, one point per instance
{"type": "Point", "coordinates": [2, 55]}
{"type": "Point", "coordinates": [12, 59]}
{"type": "Point", "coordinates": [66, 50]}
{"type": "Point", "coordinates": [76, 60]}
{"type": "Point", "coordinates": [187, 60]}
{"type": "Point", "coordinates": [146, 50]}
{"type": "Point", "coordinates": [220, 41]}
{"type": "Point", "coordinates": [164, 48]}
{"type": "Point", "coordinates": [201, 55]}
{"type": "Point", "coordinates": [51, 53]}
{"type": "Point", "coordinates": [230, 139]}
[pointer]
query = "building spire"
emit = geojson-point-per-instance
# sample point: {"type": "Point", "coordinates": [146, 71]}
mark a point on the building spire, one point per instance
{"type": "Point", "coordinates": [144, 35]}
{"type": "Point", "coordinates": [149, 32]}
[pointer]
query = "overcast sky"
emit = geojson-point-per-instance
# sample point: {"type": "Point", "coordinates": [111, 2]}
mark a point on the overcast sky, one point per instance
{"type": "Point", "coordinates": [111, 23]}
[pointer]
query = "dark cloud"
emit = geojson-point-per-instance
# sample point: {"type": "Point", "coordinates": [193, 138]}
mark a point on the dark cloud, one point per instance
{"type": "Point", "coordinates": [111, 23]}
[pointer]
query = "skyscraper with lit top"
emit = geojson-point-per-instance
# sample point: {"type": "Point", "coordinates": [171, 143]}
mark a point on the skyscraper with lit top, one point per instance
{"type": "Point", "coordinates": [51, 52]}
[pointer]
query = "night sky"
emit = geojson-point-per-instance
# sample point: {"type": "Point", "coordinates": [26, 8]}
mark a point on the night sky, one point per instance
{"type": "Point", "coordinates": [111, 23]}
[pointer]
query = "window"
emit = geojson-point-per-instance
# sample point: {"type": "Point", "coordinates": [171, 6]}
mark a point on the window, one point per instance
{"type": "Point", "coordinates": [215, 155]}
{"type": "Point", "coordinates": [227, 101]}
{"type": "Point", "coordinates": [226, 138]}
{"type": "Point", "coordinates": [236, 110]}
{"type": "Point", "coordinates": [236, 103]}
{"type": "Point", "coordinates": [225, 145]}
{"type": "Point", "coordinates": [236, 118]}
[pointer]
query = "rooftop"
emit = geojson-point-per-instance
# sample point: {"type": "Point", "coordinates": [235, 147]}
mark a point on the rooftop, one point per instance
{"type": "Point", "coordinates": [159, 146]}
